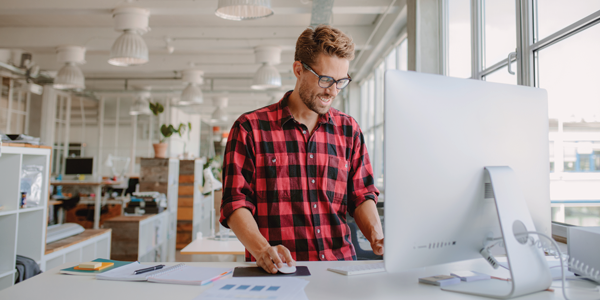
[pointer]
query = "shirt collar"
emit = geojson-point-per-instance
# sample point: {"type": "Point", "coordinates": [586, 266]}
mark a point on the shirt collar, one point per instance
{"type": "Point", "coordinates": [286, 114]}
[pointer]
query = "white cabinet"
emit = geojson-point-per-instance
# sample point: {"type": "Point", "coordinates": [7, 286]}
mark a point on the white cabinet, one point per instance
{"type": "Point", "coordinates": [22, 230]}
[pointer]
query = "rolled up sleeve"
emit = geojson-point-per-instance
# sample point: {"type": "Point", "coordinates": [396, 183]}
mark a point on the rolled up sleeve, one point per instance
{"type": "Point", "coordinates": [238, 172]}
{"type": "Point", "coordinates": [361, 185]}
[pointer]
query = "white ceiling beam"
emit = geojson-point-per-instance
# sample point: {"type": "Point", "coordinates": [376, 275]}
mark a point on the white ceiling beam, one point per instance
{"type": "Point", "coordinates": [90, 7]}
{"type": "Point", "coordinates": [184, 39]}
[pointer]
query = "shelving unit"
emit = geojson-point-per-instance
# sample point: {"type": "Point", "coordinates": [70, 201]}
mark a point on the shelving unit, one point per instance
{"type": "Point", "coordinates": [86, 246]}
{"type": "Point", "coordinates": [162, 175]}
{"type": "Point", "coordinates": [22, 230]}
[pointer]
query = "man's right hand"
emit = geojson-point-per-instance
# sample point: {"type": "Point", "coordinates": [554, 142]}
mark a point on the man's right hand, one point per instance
{"type": "Point", "coordinates": [270, 258]}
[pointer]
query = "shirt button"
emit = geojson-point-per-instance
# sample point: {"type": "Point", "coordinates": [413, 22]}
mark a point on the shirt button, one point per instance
{"type": "Point", "coordinates": [315, 206]}
{"type": "Point", "coordinates": [303, 131]}
{"type": "Point", "coordinates": [346, 166]}
{"type": "Point", "coordinates": [323, 256]}
{"type": "Point", "coordinates": [318, 230]}
{"type": "Point", "coordinates": [313, 181]}
{"type": "Point", "coordinates": [311, 156]}
{"type": "Point", "coordinates": [274, 160]}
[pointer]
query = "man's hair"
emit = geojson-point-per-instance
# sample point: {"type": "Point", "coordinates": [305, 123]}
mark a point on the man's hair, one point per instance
{"type": "Point", "coordinates": [324, 39]}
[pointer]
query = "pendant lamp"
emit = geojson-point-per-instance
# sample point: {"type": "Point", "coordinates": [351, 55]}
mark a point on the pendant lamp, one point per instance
{"type": "Point", "coordinates": [240, 10]}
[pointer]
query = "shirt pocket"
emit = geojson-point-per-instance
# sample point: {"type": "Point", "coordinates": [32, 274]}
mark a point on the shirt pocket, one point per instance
{"type": "Point", "coordinates": [272, 177]}
{"type": "Point", "coordinates": [337, 178]}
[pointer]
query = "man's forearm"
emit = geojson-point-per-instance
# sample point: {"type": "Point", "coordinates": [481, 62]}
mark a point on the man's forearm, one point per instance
{"type": "Point", "coordinates": [367, 219]}
{"type": "Point", "coordinates": [245, 228]}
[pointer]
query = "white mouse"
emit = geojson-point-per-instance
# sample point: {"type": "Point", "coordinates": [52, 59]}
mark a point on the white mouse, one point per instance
{"type": "Point", "coordinates": [286, 269]}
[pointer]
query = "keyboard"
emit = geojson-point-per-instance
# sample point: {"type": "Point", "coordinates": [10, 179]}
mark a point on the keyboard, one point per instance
{"type": "Point", "coordinates": [359, 269]}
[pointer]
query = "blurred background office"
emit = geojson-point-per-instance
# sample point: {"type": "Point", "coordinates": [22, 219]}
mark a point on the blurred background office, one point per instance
{"type": "Point", "coordinates": [111, 80]}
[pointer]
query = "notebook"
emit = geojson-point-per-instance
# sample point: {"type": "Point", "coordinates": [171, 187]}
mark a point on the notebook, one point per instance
{"type": "Point", "coordinates": [74, 271]}
{"type": "Point", "coordinates": [178, 274]}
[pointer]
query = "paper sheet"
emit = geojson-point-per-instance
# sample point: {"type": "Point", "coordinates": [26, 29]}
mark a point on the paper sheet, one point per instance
{"type": "Point", "coordinates": [256, 288]}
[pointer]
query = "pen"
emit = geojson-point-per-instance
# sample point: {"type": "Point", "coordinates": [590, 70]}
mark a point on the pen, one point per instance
{"type": "Point", "coordinates": [140, 271]}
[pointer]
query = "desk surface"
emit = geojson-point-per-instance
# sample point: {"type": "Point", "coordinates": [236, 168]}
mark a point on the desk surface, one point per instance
{"type": "Point", "coordinates": [84, 182]}
{"type": "Point", "coordinates": [211, 246]}
{"type": "Point", "coordinates": [323, 285]}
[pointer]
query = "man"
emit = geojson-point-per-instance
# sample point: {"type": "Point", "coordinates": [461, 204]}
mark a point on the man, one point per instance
{"type": "Point", "coordinates": [292, 170]}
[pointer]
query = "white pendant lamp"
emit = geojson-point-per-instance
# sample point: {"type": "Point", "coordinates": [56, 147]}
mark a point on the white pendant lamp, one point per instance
{"type": "Point", "coordinates": [192, 94]}
{"type": "Point", "coordinates": [70, 77]}
{"type": "Point", "coordinates": [219, 115]}
{"type": "Point", "coordinates": [130, 49]}
{"type": "Point", "coordinates": [267, 76]}
{"type": "Point", "coordinates": [141, 106]}
{"type": "Point", "coordinates": [240, 10]}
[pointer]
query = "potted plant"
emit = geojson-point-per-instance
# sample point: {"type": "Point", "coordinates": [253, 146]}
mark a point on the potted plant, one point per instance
{"type": "Point", "coordinates": [160, 149]}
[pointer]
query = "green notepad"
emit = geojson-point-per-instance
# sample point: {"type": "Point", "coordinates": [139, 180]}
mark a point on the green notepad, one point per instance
{"type": "Point", "coordinates": [72, 271]}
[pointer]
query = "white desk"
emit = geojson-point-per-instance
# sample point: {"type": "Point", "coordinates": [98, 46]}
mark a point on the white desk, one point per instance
{"type": "Point", "coordinates": [98, 193]}
{"type": "Point", "coordinates": [208, 246]}
{"type": "Point", "coordinates": [323, 285]}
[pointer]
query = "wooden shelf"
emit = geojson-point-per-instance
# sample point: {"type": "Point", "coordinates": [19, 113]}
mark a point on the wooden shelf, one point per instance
{"type": "Point", "coordinates": [64, 243]}
{"type": "Point", "coordinates": [25, 145]}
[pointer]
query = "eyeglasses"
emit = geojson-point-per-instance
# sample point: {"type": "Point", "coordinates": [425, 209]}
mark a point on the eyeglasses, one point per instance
{"type": "Point", "coordinates": [327, 81]}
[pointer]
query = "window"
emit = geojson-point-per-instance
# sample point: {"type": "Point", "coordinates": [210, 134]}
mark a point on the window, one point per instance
{"type": "Point", "coordinates": [371, 103]}
{"type": "Point", "coordinates": [549, 44]}
{"type": "Point", "coordinates": [459, 38]}
{"type": "Point", "coordinates": [14, 102]}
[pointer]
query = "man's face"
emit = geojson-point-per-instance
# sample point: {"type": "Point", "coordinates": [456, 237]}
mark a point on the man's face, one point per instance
{"type": "Point", "coordinates": [316, 98]}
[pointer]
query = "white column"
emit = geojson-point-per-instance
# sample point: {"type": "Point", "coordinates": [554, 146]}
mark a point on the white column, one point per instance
{"type": "Point", "coordinates": [67, 132]}
{"type": "Point", "coordinates": [116, 153]}
{"type": "Point", "coordinates": [425, 52]}
{"type": "Point", "coordinates": [82, 110]}
{"type": "Point", "coordinates": [10, 100]}
{"type": "Point", "coordinates": [133, 145]}
{"type": "Point", "coordinates": [100, 136]}
{"type": "Point", "coordinates": [27, 112]}
{"type": "Point", "coordinates": [48, 119]}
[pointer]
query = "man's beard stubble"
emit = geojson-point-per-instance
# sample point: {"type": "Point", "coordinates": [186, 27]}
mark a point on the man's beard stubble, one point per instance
{"type": "Point", "coordinates": [311, 101]}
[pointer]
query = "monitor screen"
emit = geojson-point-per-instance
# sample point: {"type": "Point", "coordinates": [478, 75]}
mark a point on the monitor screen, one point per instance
{"type": "Point", "coordinates": [79, 165]}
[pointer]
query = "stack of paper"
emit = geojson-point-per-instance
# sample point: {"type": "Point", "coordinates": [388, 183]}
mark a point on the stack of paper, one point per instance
{"type": "Point", "coordinates": [255, 288]}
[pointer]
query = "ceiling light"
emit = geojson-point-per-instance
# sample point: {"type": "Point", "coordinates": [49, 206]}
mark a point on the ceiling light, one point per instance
{"type": "Point", "coordinates": [239, 10]}
{"type": "Point", "coordinates": [219, 115]}
{"type": "Point", "coordinates": [70, 77]}
{"type": "Point", "coordinates": [192, 94]}
{"type": "Point", "coordinates": [130, 49]}
{"type": "Point", "coordinates": [140, 105]}
{"type": "Point", "coordinates": [267, 76]}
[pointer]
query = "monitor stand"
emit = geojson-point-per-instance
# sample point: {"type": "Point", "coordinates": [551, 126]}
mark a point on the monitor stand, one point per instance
{"type": "Point", "coordinates": [528, 267]}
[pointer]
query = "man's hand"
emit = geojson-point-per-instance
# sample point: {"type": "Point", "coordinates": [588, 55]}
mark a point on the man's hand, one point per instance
{"type": "Point", "coordinates": [269, 256]}
{"type": "Point", "coordinates": [377, 246]}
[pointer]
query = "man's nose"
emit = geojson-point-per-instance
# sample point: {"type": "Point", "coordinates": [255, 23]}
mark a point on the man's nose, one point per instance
{"type": "Point", "coordinates": [332, 90]}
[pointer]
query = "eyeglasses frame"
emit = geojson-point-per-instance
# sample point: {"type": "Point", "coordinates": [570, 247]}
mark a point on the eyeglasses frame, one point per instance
{"type": "Point", "coordinates": [332, 79]}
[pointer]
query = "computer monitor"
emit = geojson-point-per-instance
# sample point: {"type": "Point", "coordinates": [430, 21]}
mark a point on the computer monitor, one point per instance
{"type": "Point", "coordinates": [79, 166]}
{"type": "Point", "coordinates": [440, 134]}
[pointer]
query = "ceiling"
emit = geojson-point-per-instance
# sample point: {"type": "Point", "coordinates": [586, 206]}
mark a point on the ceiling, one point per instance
{"type": "Point", "coordinates": [223, 49]}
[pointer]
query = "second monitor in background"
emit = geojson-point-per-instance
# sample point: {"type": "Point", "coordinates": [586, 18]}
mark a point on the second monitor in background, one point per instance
{"type": "Point", "coordinates": [79, 166]}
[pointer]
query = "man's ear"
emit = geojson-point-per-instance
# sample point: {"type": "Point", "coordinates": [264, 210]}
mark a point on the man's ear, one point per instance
{"type": "Point", "coordinates": [297, 67]}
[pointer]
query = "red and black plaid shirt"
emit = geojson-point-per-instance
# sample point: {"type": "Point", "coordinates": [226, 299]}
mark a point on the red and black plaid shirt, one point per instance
{"type": "Point", "coordinates": [298, 186]}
